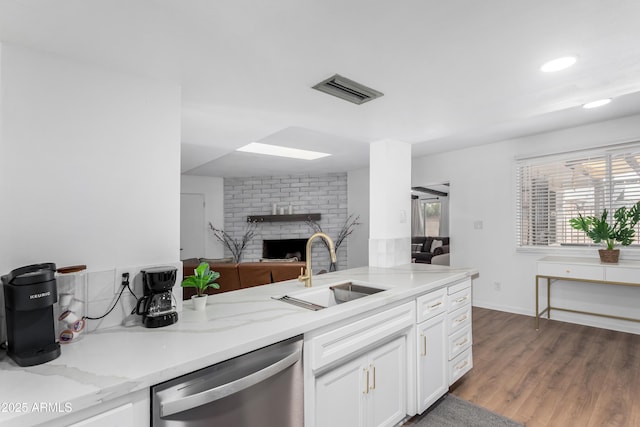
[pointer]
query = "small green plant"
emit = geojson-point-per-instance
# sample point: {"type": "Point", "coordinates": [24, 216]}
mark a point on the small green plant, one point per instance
{"type": "Point", "coordinates": [600, 231]}
{"type": "Point", "coordinates": [202, 278]}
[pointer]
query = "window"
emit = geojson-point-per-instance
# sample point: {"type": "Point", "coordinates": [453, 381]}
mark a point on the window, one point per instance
{"type": "Point", "coordinates": [431, 215]}
{"type": "Point", "coordinates": [554, 189]}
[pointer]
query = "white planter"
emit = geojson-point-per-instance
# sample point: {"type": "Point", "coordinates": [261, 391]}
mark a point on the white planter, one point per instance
{"type": "Point", "coordinates": [199, 303]}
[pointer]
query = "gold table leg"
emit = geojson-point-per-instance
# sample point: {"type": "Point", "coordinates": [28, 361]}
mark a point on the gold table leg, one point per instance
{"type": "Point", "coordinates": [537, 308]}
{"type": "Point", "coordinates": [548, 298]}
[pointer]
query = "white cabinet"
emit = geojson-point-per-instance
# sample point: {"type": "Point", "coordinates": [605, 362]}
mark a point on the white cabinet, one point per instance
{"type": "Point", "coordinates": [130, 410]}
{"type": "Point", "coordinates": [340, 395]}
{"type": "Point", "coordinates": [387, 374]}
{"type": "Point", "coordinates": [432, 361]}
{"type": "Point", "coordinates": [459, 333]}
{"type": "Point", "coordinates": [367, 391]}
{"type": "Point", "coordinates": [120, 416]}
{"type": "Point", "coordinates": [357, 372]}
{"type": "Point", "coordinates": [375, 370]}
{"type": "Point", "coordinates": [432, 304]}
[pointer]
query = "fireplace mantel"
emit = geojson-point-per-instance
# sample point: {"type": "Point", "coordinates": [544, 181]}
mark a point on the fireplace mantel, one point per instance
{"type": "Point", "coordinates": [284, 218]}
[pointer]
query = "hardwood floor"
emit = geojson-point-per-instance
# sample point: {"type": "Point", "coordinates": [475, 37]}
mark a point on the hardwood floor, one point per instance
{"type": "Point", "coordinates": [564, 375]}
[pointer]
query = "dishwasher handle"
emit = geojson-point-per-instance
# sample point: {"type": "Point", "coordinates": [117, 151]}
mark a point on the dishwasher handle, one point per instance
{"type": "Point", "coordinates": [171, 407]}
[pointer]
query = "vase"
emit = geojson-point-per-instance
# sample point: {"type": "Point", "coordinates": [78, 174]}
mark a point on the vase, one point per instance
{"type": "Point", "coordinates": [609, 256]}
{"type": "Point", "coordinates": [199, 302]}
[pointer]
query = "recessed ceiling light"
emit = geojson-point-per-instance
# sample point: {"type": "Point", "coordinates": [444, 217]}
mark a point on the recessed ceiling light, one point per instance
{"type": "Point", "coordinates": [558, 64]}
{"type": "Point", "coordinates": [598, 103]}
{"type": "Point", "coordinates": [277, 150]}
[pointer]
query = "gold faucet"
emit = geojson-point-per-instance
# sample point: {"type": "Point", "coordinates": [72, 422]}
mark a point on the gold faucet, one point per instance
{"type": "Point", "coordinates": [306, 278]}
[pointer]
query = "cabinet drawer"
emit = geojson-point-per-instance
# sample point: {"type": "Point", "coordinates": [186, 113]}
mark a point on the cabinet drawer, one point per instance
{"type": "Point", "coordinates": [459, 299]}
{"type": "Point", "coordinates": [354, 337]}
{"type": "Point", "coordinates": [460, 366]}
{"type": "Point", "coordinates": [432, 304]}
{"type": "Point", "coordinates": [459, 342]}
{"type": "Point", "coordinates": [571, 271]}
{"type": "Point", "coordinates": [459, 286]}
{"type": "Point", "coordinates": [459, 319]}
{"type": "Point", "coordinates": [622, 274]}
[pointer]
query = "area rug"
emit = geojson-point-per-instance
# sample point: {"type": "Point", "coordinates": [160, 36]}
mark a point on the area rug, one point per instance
{"type": "Point", "coordinates": [451, 411]}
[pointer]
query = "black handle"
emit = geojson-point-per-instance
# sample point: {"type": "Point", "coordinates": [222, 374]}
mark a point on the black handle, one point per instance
{"type": "Point", "coordinates": [144, 298]}
{"type": "Point", "coordinates": [29, 269]}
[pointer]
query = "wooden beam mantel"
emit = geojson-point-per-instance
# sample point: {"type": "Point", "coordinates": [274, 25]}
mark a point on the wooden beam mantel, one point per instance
{"type": "Point", "coordinates": [284, 218]}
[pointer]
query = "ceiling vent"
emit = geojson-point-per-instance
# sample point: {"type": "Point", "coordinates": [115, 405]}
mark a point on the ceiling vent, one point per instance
{"type": "Point", "coordinates": [348, 90]}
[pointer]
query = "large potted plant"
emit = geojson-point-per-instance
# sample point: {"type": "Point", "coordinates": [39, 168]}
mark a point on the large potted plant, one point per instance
{"type": "Point", "coordinates": [622, 230]}
{"type": "Point", "coordinates": [202, 279]}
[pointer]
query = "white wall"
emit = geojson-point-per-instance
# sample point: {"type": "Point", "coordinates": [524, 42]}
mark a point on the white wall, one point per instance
{"type": "Point", "coordinates": [90, 164]}
{"type": "Point", "coordinates": [212, 189]}
{"type": "Point", "coordinates": [358, 204]}
{"type": "Point", "coordinates": [483, 189]}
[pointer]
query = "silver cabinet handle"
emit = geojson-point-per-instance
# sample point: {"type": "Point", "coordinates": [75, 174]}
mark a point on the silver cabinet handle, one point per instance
{"type": "Point", "coordinates": [366, 386]}
{"type": "Point", "coordinates": [462, 365]}
{"type": "Point", "coordinates": [461, 319]}
{"type": "Point", "coordinates": [374, 377]}
{"type": "Point", "coordinates": [182, 404]}
{"type": "Point", "coordinates": [438, 304]}
{"type": "Point", "coordinates": [463, 342]}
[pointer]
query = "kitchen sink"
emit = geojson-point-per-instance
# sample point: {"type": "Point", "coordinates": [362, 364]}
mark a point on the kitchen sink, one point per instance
{"type": "Point", "coordinates": [319, 298]}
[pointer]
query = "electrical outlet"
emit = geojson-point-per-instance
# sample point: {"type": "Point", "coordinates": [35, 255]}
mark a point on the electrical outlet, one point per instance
{"type": "Point", "coordinates": [117, 281]}
{"type": "Point", "coordinates": [497, 286]}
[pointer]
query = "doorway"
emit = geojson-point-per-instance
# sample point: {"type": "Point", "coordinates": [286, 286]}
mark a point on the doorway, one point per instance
{"type": "Point", "coordinates": [192, 226]}
{"type": "Point", "coordinates": [430, 210]}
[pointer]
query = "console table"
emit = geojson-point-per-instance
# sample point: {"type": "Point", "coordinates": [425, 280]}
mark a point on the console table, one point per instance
{"type": "Point", "coordinates": [589, 270]}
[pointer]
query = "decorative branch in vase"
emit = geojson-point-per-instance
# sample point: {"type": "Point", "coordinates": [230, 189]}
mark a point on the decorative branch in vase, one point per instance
{"type": "Point", "coordinates": [349, 225]}
{"type": "Point", "coordinates": [235, 246]}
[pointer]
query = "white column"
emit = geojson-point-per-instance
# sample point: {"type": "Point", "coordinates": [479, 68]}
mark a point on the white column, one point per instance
{"type": "Point", "coordinates": [390, 203]}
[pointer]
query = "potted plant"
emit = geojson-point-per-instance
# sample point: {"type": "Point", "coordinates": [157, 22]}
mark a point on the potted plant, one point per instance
{"type": "Point", "coordinates": [202, 278]}
{"type": "Point", "coordinates": [622, 230]}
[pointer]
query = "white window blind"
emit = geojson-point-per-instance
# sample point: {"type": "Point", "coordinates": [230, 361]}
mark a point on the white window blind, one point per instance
{"type": "Point", "coordinates": [554, 189]}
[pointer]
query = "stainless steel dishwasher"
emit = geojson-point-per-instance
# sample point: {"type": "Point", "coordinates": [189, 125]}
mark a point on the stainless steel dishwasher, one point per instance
{"type": "Point", "coordinates": [263, 388]}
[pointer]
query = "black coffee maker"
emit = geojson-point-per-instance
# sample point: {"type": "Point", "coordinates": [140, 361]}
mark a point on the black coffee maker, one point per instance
{"type": "Point", "coordinates": [29, 295]}
{"type": "Point", "coordinates": [156, 306]}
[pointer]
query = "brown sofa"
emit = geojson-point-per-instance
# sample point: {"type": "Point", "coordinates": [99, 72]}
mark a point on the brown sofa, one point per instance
{"type": "Point", "coordinates": [243, 275]}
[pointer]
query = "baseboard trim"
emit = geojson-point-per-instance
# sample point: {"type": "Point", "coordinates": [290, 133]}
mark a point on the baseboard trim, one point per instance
{"type": "Point", "coordinates": [575, 318]}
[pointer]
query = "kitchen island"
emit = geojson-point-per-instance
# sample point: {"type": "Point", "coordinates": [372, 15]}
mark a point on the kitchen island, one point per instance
{"type": "Point", "coordinates": [112, 366]}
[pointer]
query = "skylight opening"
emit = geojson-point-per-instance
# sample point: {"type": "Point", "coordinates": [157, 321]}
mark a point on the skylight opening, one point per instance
{"type": "Point", "coordinates": [558, 64]}
{"type": "Point", "coordinates": [277, 150]}
{"type": "Point", "coordinates": [596, 104]}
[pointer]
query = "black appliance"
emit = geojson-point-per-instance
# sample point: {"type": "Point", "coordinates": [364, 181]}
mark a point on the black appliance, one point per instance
{"type": "Point", "coordinates": [29, 295]}
{"type": "Point", "coordinates": [156, 306]}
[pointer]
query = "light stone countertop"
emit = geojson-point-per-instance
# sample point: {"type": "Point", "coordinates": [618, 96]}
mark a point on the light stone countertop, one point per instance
{"type": "Point", "coordinates": [113, 362]}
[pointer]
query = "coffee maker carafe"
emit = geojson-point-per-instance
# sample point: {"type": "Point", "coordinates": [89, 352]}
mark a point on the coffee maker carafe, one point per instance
{"type": "Point", "coordinates": [29, 295]}
{"type": "Point", "coordinates": [156, 306]}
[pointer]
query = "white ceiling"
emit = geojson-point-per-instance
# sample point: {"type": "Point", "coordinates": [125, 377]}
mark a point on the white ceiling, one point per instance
{"type": "Point", "coordinates": [454, 73]}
